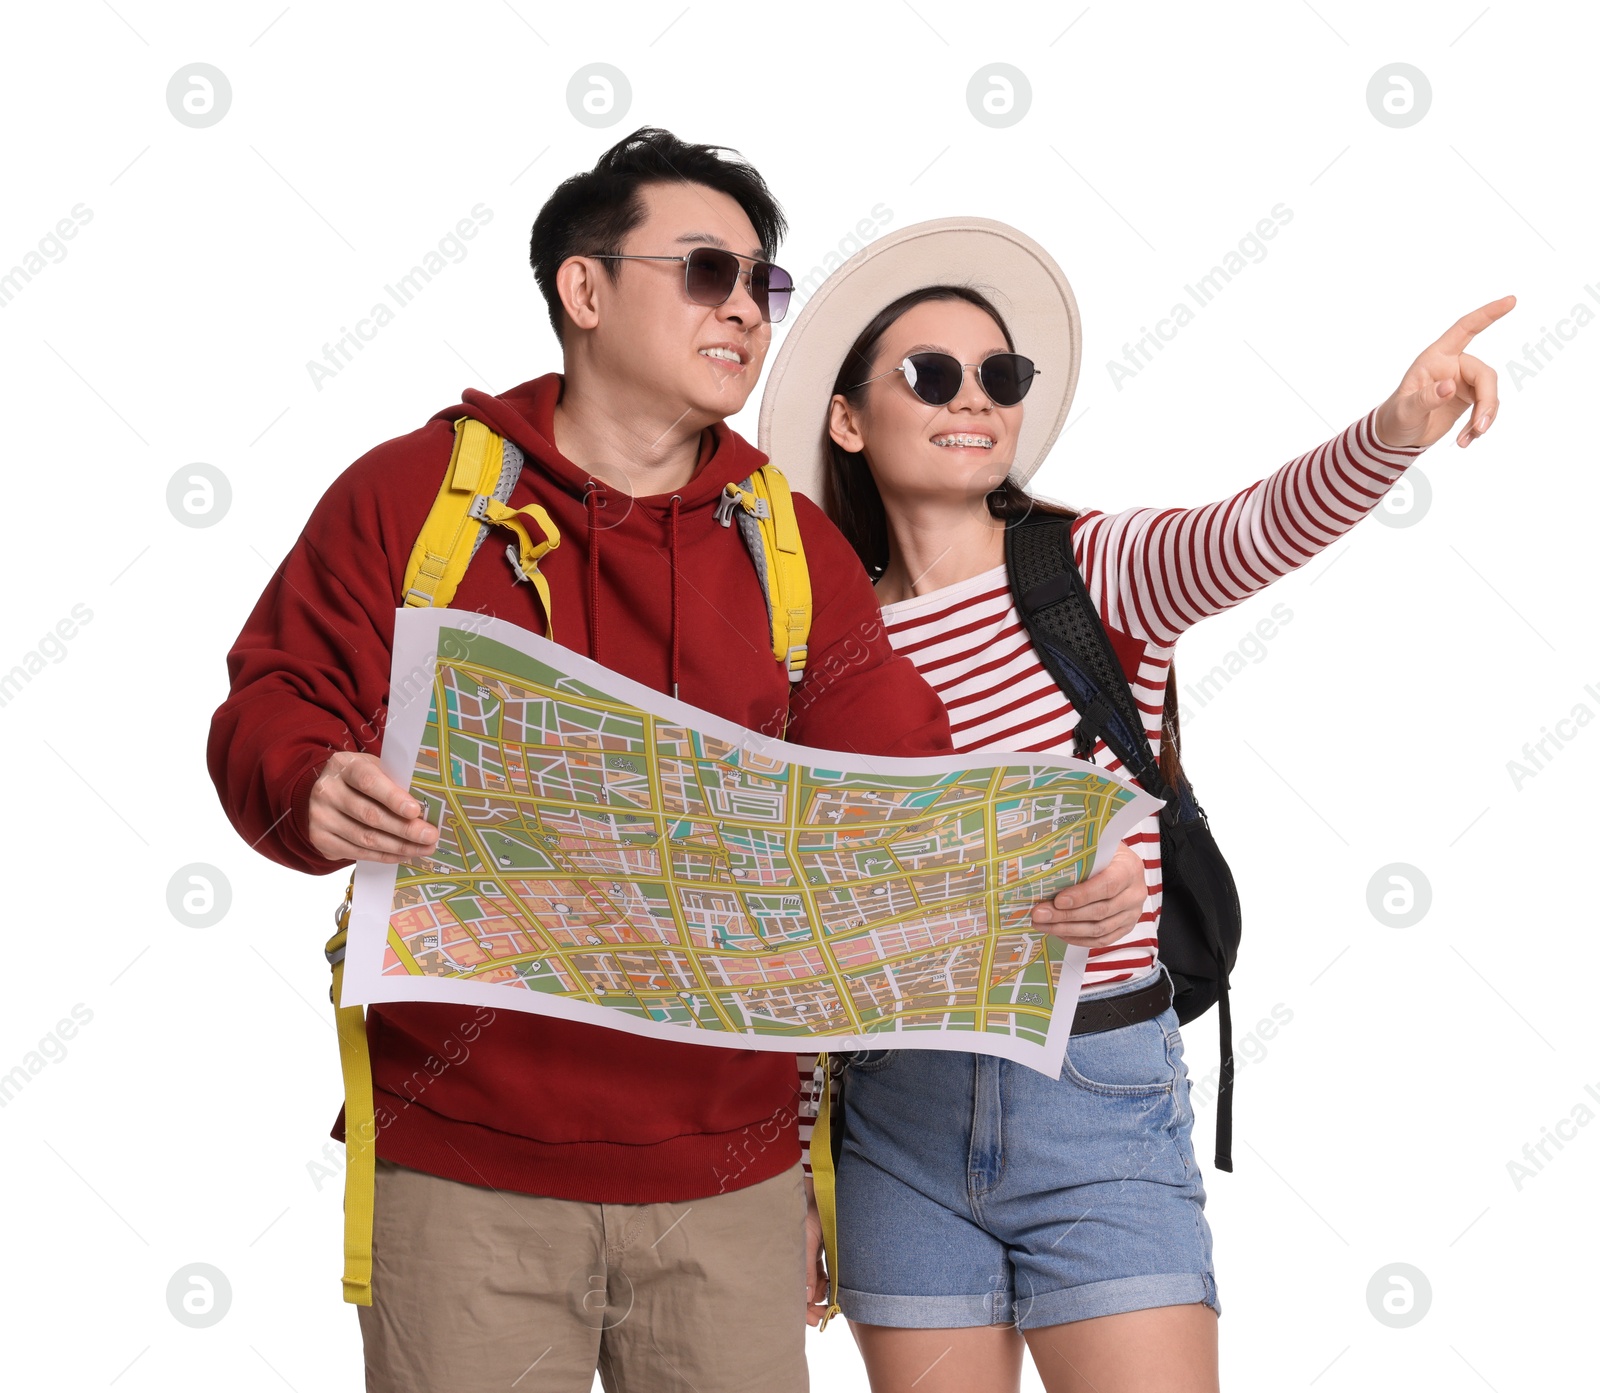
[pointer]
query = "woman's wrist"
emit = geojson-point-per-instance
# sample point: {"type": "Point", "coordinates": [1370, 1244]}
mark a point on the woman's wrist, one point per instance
{"type": "Point", "coordinates": [1379, 427]}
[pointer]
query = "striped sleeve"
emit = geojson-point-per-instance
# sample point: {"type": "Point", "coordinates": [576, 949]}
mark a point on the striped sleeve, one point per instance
{"type": "Point", "coordinates": [1154, 572]}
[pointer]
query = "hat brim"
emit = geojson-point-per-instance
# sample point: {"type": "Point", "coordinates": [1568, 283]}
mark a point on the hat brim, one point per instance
{"type": "Point", "coordinates": [1011, 270]}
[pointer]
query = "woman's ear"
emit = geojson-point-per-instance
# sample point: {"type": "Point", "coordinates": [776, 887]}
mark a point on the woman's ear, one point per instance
{"type": "Point", "coordinates": [844, 425]}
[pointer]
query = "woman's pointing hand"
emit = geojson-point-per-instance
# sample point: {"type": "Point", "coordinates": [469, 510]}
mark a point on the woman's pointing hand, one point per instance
{"type": "Point", "coordinates": [1444, 381]}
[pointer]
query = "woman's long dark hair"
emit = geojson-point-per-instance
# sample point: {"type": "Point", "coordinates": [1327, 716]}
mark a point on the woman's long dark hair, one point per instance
{"type": "Point", "coordinates": [851, 496]}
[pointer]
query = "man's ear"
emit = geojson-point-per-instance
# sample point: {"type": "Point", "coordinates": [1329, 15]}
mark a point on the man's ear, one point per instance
{"type": "Point", "coordinates": [844, 426]}
{"type": "Point", "coordinates": [577, 284]}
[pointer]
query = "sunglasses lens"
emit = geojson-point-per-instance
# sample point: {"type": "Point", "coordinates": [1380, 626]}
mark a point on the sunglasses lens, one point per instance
{"type": "Point", "coordinates": [710, 275]}
{"type": "Point", "coordinates": [935, 377]}
{"type": "Point", "coordinates": [771, 286]}
{"type": "Point", "coordinates": [1006, 377]}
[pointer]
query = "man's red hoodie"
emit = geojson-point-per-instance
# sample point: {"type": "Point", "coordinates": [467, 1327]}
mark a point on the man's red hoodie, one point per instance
{"type": "Point", "coordinates": [509, 1099]}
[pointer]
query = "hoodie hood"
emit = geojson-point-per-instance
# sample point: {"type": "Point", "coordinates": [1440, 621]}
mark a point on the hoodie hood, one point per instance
{"type": "Point", "coordinates": [526, 415]}
{"type": "Point", "coordinates": [642, 539]}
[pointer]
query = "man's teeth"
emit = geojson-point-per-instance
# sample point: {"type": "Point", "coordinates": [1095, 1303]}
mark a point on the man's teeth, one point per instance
{"type": "Point", "coordinates": [727, 355]}
{"type": "Point", "coordinates": [982, 442]}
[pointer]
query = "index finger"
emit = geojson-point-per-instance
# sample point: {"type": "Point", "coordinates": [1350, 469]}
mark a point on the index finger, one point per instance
{"type": "Point", "coordinates": [1459, 335]}
{"type": "Point", "coordinates": [367, 776]}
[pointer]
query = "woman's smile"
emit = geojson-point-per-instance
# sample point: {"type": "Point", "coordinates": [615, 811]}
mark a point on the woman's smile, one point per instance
{"type": "Point", "coordinates": [965, 440]}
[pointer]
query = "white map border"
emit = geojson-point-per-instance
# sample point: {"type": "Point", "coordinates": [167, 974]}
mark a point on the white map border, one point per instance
{"type": "Point", "coordinates": [416, 644]}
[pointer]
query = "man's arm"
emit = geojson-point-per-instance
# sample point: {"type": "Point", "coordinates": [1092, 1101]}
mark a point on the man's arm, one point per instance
{"type": "Point", "coordinates": [292, 748]}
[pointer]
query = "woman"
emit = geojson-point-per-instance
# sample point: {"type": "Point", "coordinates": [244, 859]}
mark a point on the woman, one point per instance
{"type": "Point", "coordinates": [982, 1205]}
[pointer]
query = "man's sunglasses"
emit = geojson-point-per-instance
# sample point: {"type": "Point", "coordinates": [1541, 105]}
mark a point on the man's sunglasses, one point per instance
{"type": "Point", "coordinates": [709, 275]}
{"type": "Point", "coordinates": [936, 377]}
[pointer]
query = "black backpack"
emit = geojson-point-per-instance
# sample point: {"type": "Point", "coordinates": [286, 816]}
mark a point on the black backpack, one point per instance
{"type": "Point", "coordinates": [1199, 931]}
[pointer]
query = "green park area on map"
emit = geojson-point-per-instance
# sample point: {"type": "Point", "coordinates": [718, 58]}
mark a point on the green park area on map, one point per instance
{"type": "Point", "coordinates": [593, 850]}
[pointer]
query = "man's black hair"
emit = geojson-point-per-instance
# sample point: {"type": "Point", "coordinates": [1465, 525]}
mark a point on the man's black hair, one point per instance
{"type": "Point", "coordinates": [590, 213]}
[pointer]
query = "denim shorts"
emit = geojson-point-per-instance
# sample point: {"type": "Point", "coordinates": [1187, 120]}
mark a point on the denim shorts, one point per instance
{"type": "Point", "coordinates": [975, 1191]}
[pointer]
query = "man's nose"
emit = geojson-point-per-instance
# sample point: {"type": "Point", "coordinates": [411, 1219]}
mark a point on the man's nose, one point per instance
{"type": "Point", "coordinates": [740, 306]}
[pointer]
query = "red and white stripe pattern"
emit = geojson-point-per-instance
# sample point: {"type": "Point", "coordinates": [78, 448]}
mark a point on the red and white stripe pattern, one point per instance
{"type": "Point", "coordinates": [970, 644]}
{"type": "Point", "coordinates": [1152, 573]}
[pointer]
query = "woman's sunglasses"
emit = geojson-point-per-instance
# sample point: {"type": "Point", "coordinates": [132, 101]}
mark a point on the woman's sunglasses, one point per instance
{"type": "Point", "coordinates": [709, 275]}
{"type": "Point", "coordinates": [936, 377]}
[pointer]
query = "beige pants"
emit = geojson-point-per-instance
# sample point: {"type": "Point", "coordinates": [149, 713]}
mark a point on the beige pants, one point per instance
{"type": "Point", "coordinates": [477, 1290]}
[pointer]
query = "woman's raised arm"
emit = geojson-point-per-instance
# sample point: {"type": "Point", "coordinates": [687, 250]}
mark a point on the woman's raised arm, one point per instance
{"type": "Point", "coordinates": [1156, 572]}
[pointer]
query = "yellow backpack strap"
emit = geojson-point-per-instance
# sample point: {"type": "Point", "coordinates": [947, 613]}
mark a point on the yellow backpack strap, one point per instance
{"type": "Point", "coordinates": [765, 508]}
{"type": "Point", "coordinates": [360, 1125]}
{"type": "Point", "coordinates": [471, 498]}
{"type": "Point", "coordinates": [822, 1183]}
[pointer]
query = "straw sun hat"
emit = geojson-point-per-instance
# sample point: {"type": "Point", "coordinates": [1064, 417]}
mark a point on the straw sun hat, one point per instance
{"type": "Point", "coordinates": [1011, 270]}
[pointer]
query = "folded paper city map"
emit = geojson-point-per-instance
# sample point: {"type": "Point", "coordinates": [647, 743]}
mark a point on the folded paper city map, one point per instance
{"type": "Point", "coordinates": [611, 855]}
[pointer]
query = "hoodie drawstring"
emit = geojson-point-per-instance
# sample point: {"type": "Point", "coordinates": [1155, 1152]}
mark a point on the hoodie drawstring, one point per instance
{"type": "Point", "coordinates": [672, 565]}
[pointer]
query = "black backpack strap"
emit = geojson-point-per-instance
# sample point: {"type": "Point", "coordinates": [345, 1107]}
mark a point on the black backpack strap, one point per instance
{"type": "Point", "coordinates": [1071, 640]}
{"type": "Point", "coordinates": [1073, 646]}
{"type": "Point", "coordinates": [1223, 1155]}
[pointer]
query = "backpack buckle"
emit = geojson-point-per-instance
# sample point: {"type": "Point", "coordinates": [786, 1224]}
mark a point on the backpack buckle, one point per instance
{"type": "Point", "coordinates": [736, 496]}
{"type": "Point", "coordinates": [515, 558]}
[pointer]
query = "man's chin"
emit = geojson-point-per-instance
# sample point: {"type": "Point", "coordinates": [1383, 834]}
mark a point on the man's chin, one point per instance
{"type": "Point", "coordinates": [719, 403]}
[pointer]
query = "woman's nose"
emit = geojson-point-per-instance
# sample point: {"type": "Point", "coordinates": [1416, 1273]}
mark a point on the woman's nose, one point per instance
{"type": "Point", "coordinates": [971, 396]}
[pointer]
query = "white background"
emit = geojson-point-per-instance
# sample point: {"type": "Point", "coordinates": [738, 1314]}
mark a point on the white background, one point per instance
{"type": "Point", "coordinates": [1375, 728]}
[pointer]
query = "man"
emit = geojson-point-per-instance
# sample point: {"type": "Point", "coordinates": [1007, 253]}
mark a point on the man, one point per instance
{"type": "Point", "coordinates": [562, 1197]}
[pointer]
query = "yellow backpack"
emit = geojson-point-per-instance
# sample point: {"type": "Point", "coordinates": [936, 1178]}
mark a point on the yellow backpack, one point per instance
{"type": "Point", "coordinates": [471, 498]}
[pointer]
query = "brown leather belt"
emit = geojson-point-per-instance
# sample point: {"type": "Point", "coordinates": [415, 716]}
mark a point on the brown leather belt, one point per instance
{"type": "Point", "coordinates": [1110, 1012]}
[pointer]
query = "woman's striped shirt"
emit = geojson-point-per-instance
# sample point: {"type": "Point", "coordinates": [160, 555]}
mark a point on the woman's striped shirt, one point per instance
{"type": "Point", "coordinates": [1152, 574]}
